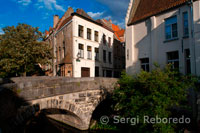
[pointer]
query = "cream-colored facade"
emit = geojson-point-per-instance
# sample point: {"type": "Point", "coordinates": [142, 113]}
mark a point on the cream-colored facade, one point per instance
{"type": "Point", "coordinates": [91, 63]}
{"type": "Point", "coordinates": [82, 47]}
{"type": "Point", "coordinates": [147, 42]}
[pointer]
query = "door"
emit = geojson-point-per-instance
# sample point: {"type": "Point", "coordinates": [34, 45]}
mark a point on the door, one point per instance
{"type": "Point", "coordinates": [85, 72]}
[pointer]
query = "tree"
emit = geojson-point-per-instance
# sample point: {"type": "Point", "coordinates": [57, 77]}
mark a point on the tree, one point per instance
{"type": "Point", "coordinates": [21, 48]}
{"type": "Point", "coordinates": [151, 94]}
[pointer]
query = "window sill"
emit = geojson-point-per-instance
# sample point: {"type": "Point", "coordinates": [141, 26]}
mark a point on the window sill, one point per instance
{"type": "Point", "coordinates": [169, 40]}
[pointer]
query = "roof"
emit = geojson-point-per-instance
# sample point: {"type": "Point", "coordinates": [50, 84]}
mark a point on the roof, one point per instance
{"type": "Point", "coordinates": [119, 32]}
{"type": "Point", "coordinates": [148, 8]}
{"type": "Point", "coordinates": [69, 15]}
{"type": "Point", "coordinates": [64, 22]}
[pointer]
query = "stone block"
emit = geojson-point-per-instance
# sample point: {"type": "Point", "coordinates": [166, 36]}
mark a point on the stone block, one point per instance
{"type": "Point", "coordinates": [80, 100]}
{"type": "Point", "coordinates": [82, 95]}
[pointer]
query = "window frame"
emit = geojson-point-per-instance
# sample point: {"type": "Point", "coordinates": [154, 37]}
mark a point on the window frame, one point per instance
{"type": "Point", "coordinates": [89, 34]}
{"type": "Point", "coordinates": [187, 61]}
{"type": "Point", "coordinates": [81, 50]}
{"type": "Point", "coordinates": [104, 56]}
{"type": "Point", "coordinates": [89, 52]}
{"type": "Point", "coordinates": [96, 36]}
{"type": "Point", "coordinates": [104, 39]}
{"type": "Point", "coordinates": [145, 64]}
{"type": "Point", "coordinates": [80, 32]}
{"type": "Point", "coordinates": [172, 61]}
{"type": "Point", "coordinates": [185, 34]}
{"type": "Point", "coordinates": [96, 54]}
{"type": "Point", "coordinates": [109, 41]}
{"type": "Point", "coordinates": [110, 57]}
{"type": "Point", "coordinates": [171, 28]}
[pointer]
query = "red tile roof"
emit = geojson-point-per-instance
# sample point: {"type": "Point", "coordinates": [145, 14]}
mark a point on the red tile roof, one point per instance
{"type": "Point", "coordinates": [148, 8]}
{"type": "Point", "coordinates": [120, 33]}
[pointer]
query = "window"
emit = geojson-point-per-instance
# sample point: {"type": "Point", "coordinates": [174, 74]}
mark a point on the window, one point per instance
{"type": "Point", "coordinates": [173, 58]}
{"type": "Point", "coordinates": [110, 57]}
{"type": "Point", "coordinates": [109, 42]}
{"type": "Point", "coordinates": [127, 54]}
{"type": "Point", "coordinates": [104, 39]}
{"type": "Point", "coordinates": [185, 24]}
{"type": "Point", "coordinates": [60, 54]}
{"type": "Point", "coordinates": [104, 56]}
{"type": "Point", "coordinates": [171, 31]}
{"type": "Point", "coordinates": [187, 61]}
{"type": "Point", "coordinates": [109, 73]}
{"type": "Point", "coordinates": [96, 53]}
{"type": "Point", "coordinates": [89, 51]}
{"type": "Point", "coordinates": [96, 34]}
{"type": "Point", "coordinates": [88, 33]}
{"type": "Point", "coordinates": [80, 31]}
{"type": "Point", "coordinates": [81, 51]}
{"type": "Point", "coordinates": [96, 71]}
{"type": "Point", "coordinates": [145, 64]}
{"type": "Point", "coordinates": [64, 49]}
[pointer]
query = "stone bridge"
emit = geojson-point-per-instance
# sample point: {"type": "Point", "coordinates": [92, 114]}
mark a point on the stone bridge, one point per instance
{"type": "Point", "coordinates": [76, 97]}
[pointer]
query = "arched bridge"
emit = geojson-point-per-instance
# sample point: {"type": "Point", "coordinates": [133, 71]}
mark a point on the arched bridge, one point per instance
{"type": "Point", "coordinates": [77, 97]}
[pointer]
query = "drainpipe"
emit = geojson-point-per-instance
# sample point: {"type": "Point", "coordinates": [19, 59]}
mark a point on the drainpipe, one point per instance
{"type": "Point", "coordinates": [192, 33]}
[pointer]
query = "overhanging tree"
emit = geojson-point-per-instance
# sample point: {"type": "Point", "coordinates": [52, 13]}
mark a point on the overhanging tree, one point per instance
{"type": "Point", "coordinates": [21, 48]}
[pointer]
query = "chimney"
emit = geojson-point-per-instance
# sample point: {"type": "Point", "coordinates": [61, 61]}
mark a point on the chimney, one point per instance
{"type": "Point", "coordinates": [55, 20]}
{"type": "Point", "coordinates": [110, 23]}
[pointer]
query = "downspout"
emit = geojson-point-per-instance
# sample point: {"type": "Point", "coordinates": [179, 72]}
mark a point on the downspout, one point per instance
{"type": "Point", "coordinates": [192, 33]}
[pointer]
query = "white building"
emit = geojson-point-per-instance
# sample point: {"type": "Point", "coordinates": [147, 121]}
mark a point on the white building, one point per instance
{"type": "Point", "coordinates": [163, 32]}
{"type": "Point", "coordinates": [82, 46]}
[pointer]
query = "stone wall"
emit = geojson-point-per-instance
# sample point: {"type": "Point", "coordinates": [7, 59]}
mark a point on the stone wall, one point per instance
{"type": "Point", "coordinates": [32, 88]}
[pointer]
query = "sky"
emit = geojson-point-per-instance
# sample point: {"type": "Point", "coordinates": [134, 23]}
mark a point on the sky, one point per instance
{"type": "Point", "coordinates": [39, 13]}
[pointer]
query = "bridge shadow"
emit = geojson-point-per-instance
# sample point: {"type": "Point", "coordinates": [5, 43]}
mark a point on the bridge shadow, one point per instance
{"type": "Point", "coordinates": [43, 123]}
{"type": "Point", "coordinates": [17, 116]}
{"type": "Point", "coordinates": [11, 118]}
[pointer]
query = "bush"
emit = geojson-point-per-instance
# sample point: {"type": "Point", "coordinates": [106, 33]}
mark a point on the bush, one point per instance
{"type": "Point", "coordinates": [151, 94]}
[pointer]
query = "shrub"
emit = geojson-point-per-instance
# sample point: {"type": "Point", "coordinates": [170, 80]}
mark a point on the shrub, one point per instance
{"type": "Point", "coordinates": [151, 94]}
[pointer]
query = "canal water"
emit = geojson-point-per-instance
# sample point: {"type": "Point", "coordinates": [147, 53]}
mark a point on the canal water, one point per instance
{"type": "Point", "coordinates": [43, 124]}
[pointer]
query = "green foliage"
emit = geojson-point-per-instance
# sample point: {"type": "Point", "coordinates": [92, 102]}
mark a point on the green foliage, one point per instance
{"type": "Point", "coordinates": [151, 94]}
{"type": "Point", "coordinates": [21, 48]}
{"type": "Point", "coordinates": [99, 126]}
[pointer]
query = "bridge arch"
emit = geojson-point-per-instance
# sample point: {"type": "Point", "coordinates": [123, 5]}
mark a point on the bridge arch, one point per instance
{"type": "Point", "coordinates": [80, 105]}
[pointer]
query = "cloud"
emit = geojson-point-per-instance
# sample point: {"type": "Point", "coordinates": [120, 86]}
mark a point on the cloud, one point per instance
{"type": "Point", "coordinates": [117, 9]}
{"type": "Point", "coordinates": [95, 15]}
{"type": "Point", "coordinates": [108, 17]}
{"type": "Point", "coordinates": [50, 5]}
{"type": "Point", "coordinates": [24, 2]}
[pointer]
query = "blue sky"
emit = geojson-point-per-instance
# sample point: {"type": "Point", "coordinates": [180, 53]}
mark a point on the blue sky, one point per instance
{"type": "Point", "coordinates": [39, 13]}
